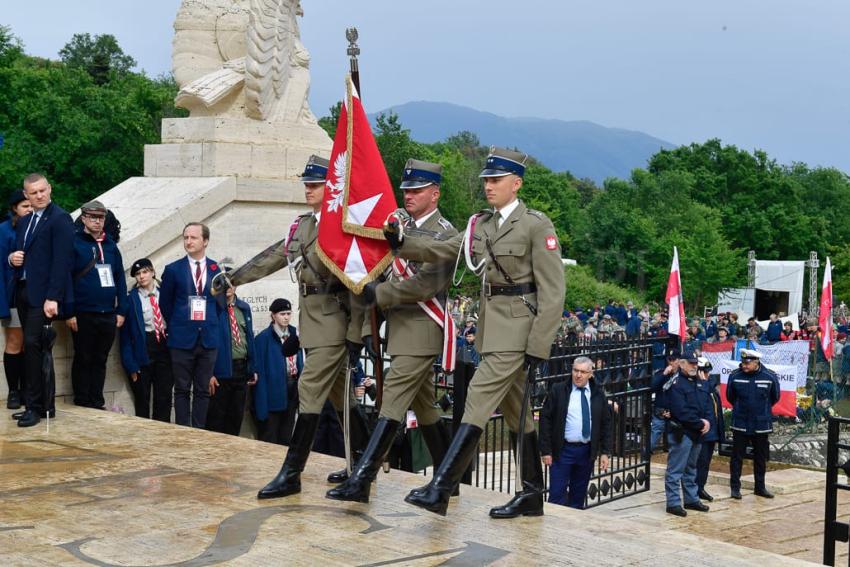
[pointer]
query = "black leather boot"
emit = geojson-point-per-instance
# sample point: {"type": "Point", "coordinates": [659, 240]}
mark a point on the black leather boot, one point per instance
{"type": "Point", "coordinates": [437, 439]}
{"type": "Point", "coordinates": [358, 486]}
{"type": "Point", "coordinates": [359, 439]}
{"type": "Point", "coordinates": [528, 502]}
{"type": "Point", "coordinates": [464, 447]}
{"type": "Point", "coordinates": [288, 480]}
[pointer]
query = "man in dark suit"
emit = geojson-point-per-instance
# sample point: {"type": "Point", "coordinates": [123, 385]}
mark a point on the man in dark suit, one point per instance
{"type": "Point", "coordinates": [192, 315]}
{"type": "Point", "coordinates": [575, 428]}
{"type": "Point", "coordinates": [44, 250]}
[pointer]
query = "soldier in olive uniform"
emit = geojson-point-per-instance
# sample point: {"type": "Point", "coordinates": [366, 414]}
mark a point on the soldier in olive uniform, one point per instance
{"type": "Point", "coordinates": [415, 339]}
{"type": "Point", "coordinates": [515, 252]}
{"type": "Point", "coordinates": [329, 328]}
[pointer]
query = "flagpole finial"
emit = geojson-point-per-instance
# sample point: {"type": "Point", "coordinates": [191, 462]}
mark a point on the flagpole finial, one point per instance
{"type": "Point", "coordinates": [351, 35]}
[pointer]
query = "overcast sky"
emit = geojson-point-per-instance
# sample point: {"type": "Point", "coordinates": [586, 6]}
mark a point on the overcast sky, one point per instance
{"type": "Point", "coordinates": [773, 75]}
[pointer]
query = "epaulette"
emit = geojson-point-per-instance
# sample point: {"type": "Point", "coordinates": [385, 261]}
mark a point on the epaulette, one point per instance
{"type": "Point", "coordinates": [484, 213]}
{"type": "Point", "coordinates": [535, 213]}
{"type": "Point", "coordinates": [305, 215]}
{"type": "Point", "coordinates": [444, 223]}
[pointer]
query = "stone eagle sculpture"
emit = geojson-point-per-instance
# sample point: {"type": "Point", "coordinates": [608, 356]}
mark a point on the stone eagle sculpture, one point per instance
{"type": "Point", "coordinates": [242, 58]}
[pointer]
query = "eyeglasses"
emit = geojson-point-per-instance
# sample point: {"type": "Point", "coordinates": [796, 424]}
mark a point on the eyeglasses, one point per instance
{"type": "Point", "coordinates": [96, 218]}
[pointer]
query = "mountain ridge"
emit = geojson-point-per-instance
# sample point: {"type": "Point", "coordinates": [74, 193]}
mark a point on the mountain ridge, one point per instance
{"type": "Point", "coordinates": [583, 147]}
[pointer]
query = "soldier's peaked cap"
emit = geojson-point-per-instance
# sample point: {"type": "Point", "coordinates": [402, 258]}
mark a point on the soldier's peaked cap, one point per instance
{"type": "Point", "coordinates": [316, 170]}
{"type": "Point", "coordinates": [418, 174]}
{"type": "Point", "coordinates": [501, 162]}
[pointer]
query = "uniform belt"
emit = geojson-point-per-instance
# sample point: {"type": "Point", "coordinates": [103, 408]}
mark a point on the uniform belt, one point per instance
{"type": "Point", "coordinates": [315, 289]}
{"type": "Point", "coordinates": [518, 289]}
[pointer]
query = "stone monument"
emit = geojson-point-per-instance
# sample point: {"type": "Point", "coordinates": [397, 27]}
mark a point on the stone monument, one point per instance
{"type": "Point", "coordinates": [234, 163]}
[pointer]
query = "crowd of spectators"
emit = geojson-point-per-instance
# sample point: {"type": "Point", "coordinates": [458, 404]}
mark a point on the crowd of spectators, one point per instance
{"type": "Point", "coordinates": [182, 347]}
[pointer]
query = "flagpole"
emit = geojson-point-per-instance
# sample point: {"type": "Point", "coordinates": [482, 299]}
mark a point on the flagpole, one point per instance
{"type": "Point", "coordinates": [354, 68]}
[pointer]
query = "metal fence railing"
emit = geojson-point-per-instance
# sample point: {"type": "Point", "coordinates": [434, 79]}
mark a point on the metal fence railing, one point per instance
{"type": "Point", "coordinates": [833, 530]}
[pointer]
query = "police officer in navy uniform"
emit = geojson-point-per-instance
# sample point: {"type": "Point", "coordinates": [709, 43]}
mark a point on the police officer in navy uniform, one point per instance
{"type": "Point", "coordinates": [752, 390]}
{"type": "Point", "coordinates": [688, 403]}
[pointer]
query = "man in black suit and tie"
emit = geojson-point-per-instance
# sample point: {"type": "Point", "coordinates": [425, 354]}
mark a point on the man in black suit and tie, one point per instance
{"type": "Point", "coordinates": [575, 428]}
{"type": "Point", "coordinates": [44, 250]}
{"type": "Point", "coordinates": [192, 315]}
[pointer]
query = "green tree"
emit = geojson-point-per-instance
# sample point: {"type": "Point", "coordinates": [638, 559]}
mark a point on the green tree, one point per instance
{"type": "Point", "coordinates": [86, 137]}
{"type": "Point", "coordinates": [99, 56]}
{"type": "Point", "coordinates": [328, 123]}
{"type": "Point", "coordinates": [11, 47]}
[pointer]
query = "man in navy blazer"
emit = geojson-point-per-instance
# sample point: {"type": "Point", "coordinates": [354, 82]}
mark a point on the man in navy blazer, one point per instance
{"type": "Point", "coordinates": [575, 429]}
{"type": "Point", "coordinates": [44, 250]}
{"type": "Point", "coordinates": [192, 315]}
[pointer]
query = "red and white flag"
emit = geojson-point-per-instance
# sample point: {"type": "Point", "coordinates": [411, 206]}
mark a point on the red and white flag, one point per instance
{"type": "Point", "coordinates": [676, 324]}
{"type": "Point", "coordinates": [827, 339]}
{"type": "Point", "coordinates": [358, 198]}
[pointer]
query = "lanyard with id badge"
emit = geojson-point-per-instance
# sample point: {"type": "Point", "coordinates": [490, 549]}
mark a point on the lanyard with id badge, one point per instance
{"type": "Point", "coordinates": [197, 308]}
{"type": "Point", "coordinates": [104, 273]}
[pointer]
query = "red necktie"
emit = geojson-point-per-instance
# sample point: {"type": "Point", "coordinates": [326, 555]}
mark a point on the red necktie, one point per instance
{"type": "Point", "coordinates": [199, 287]}
{"type": "Point", "coordinates": [158, 327]}
{"type": "Point", "coordinates": [234, 328]}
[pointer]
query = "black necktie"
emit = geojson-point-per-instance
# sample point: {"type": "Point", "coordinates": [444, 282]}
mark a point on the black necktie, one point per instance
{"type": "Point", "coordinates": [585, 415]}
{"type": "Point", "coordinates": [31, 227]}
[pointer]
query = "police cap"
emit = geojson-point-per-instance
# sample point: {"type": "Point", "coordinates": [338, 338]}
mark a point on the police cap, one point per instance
{"type": "Point", "coordinates": [501, 162]}
{"type": "Point", "coordinates": [418, 174]}
{"type": "Point", "coordinates": [316, 170]}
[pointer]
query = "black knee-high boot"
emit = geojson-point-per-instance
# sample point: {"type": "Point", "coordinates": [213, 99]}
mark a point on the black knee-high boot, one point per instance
{"type": "Point", "coordinates": [288, 480]}
{"type": "Point", "coordinates": [528, 502]}
{"type": "Point", "coordinates": [437, 438]}
{"type": "Point", "coordinates": [359, 439]}
{"type": "Point", "coordinates": [358, 486]}
{"type": "Point", "coordinates": [435, 496]}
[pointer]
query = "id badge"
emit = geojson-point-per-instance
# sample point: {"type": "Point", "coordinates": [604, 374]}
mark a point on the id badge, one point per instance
{"type": "Point", "coordinates": [197, 308]}
{"type": "Point", "coordinates": [104, 272]}
{"type": "Point", "coordinates": [411, 420]}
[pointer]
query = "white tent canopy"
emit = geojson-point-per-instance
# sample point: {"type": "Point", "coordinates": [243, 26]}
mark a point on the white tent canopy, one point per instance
{"type": "Point", "coordinates": [781, 275]}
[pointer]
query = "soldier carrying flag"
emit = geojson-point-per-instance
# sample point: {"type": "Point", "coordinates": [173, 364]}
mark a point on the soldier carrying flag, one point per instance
{"type": "Point", "coordinates": [515, 252]}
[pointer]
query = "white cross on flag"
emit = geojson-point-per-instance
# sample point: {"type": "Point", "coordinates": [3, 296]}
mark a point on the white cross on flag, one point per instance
{"type": "Point", "coordinates": [358, 199]}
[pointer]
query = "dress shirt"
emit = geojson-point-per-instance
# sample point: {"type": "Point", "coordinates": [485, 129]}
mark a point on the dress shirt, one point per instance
{"type": "Point", "coordinates": [147, 310]}
{"type": "Point", "coordinates": [572, 432]}
{"type": "Point", "coordinates": [192, 265]}
{"type": "Point", "coordinates": [420, 221]}
{"type": "Point", "coordinates": [506, 211]}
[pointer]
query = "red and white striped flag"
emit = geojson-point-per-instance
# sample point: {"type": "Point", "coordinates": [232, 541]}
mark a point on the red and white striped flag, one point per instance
{"type": "Point", "coordinates": [676, 324]}
{"type": "Point", "coordinates": [827, 339]}
{"type": "Point", "coordinates": [437, 312]}
{"type": "Point", "coordinates": [358, 198]}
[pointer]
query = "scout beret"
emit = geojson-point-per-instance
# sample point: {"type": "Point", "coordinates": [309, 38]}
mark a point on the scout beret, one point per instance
{"type": "Point", "coordinates": [139, 265]}
{"type": "Point", "coordinates": [279, 305]}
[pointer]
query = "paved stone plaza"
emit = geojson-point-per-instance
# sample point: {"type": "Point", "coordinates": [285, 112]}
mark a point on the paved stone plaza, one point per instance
{"type": "Point", "coordinates": [101, 488]}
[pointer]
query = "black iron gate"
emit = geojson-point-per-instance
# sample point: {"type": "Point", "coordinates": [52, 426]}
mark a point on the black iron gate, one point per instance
{"type": "Point", "coordinates": [624, 368]}
{"type": "Point", "coordinates": [834, 530]}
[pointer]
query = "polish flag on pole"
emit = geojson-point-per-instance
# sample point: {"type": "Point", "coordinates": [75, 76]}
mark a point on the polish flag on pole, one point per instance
{"type": "Point", "coordinates": [358, 199]}
{"type": "Point", "coordinates": [676, 324]}
{"type": "Point", "coordinates": [827, 340]}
